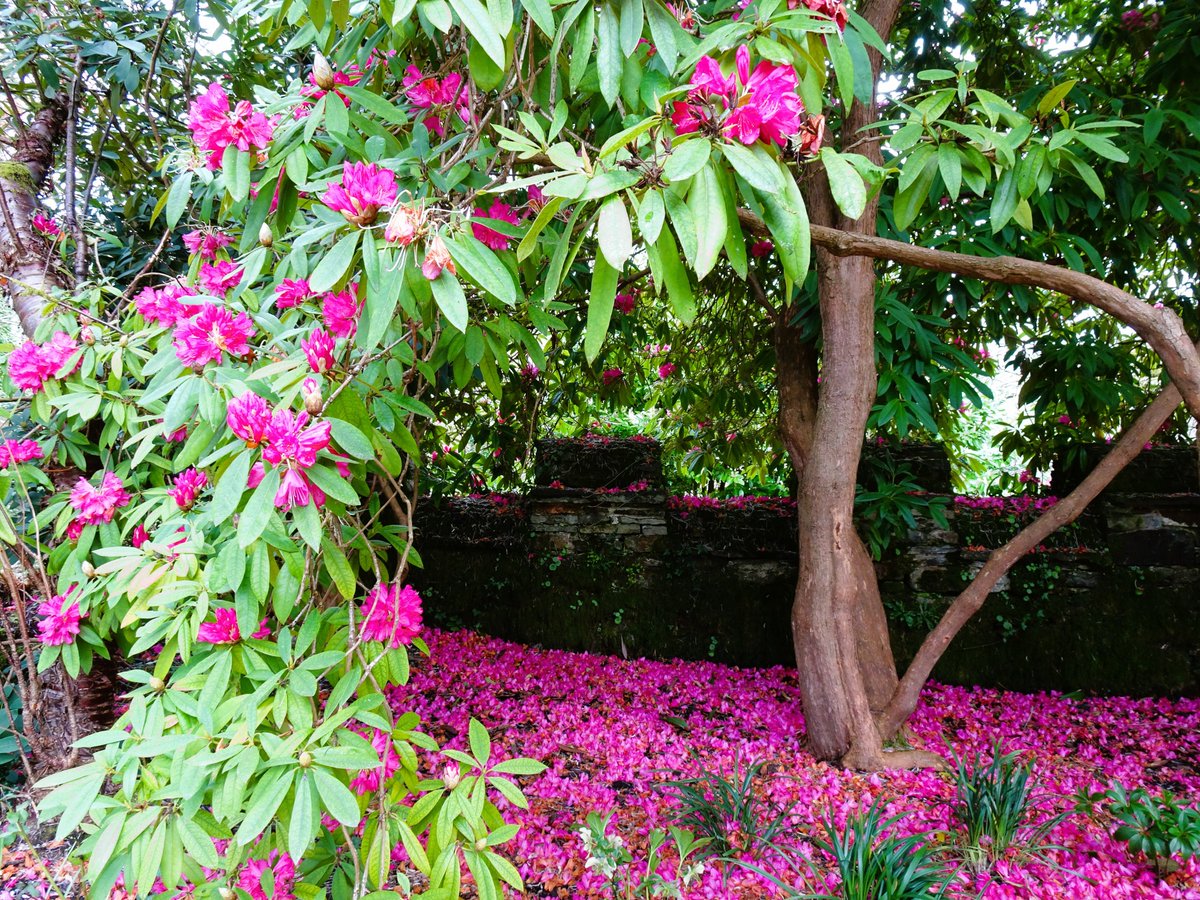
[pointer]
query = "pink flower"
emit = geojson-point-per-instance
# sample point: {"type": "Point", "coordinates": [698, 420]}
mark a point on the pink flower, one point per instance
{"type": "Point", "coordinates": [165, 306]}
{"type": "Point", "coordinates": [292, 441]}
{"type": "Point", "coordinates": [178, 436]}
{"type": "Point", "coordinates": [215, 126]}
{"type": "Point", "coordinates": [624, 303]}
{"type": "Point", "coordinates": [292, 292]}
{"type": "Point", "coordinates": [406, 224]}
{"type": "Point", "coordinates": [666, 370]}
{"type": "Point", "coordinates": [318, 350]}
{"type": "Point", "coordinates": [341, 311]}
{"type": "Point", "coordinates": [1065, 420]}
{"type": "Point", "coordinates": [769, 108]}
{"type": "Point", "coordinates": [537, 199]}
{"type": "Point", "coordinates": [215, 330]}
{"type": "Point", "coordinates": [96, 505]}
{"type": "Point", "coordinates": [283, 875]}
{"type": "Point", "coordinates": [205, 243]}
{"type": "Point", "coordinates": [437, 258]}
{"type": "Point", "coordinates": [834, 9]}
{"type": "Point", "coordinates": [369, 780]}
{"type": "Point", "coordinates": [249, 417]}
{"type": "Point", "coordinates": [391, 614]}
{"type": "Point", "coordinates": [138, 536]}
{"type": "Point", "coordinates": [297, 489]}
{"type": "Point", "coordinates": [188, 485]}
{"type": "Point", "coordinates": [501, 212]}
{"type": "Point", "coordinates": [225, 629]}
{"type": "Point", "coordinates": [60, 622]}
{"type": "Point", "coordinates": [46, 226]}
{"type": "Point", "coordinates": [220, 278]}
{"type": "Point", "coordinates": [708, 80]}
{"type": "Point", "coordinates": [365, 188]}
{"type": "Point", "coordinates": [14, 452]}
{"type": "Point", "coordinates": [27, 367]}
{"type": "Point", "coordinates": [762, 248]}
{"type": "Point", "coordinates": [611, 376]}
{"type": "Point", "coordinates": [438, 98]}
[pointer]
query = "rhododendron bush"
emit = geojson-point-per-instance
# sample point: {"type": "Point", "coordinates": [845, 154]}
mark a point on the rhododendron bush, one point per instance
{"type": "Point", "coordinates": [374, 218]}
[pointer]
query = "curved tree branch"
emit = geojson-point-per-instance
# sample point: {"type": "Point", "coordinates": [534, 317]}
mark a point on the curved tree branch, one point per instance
{"type": "Point", "coordinates": [1161, 329]}
{"type": "Point", "coordinates": [1065, 511]}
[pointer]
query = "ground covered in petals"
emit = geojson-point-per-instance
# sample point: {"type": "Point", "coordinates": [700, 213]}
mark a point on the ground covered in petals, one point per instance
{"type": "Point", "coordinates": [611, 730]}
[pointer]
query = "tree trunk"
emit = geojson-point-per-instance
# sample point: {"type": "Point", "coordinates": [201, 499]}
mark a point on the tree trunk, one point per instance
{"type": "Point", "coordinates": [27, 264]}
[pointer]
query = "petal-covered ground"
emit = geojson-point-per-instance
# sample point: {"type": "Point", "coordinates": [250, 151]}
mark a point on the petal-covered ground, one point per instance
{"type": "Point", "coordinates": [611, 729]}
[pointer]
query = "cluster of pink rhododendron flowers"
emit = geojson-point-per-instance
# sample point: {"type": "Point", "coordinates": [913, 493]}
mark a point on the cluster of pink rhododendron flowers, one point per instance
{"type": "Point", "coordinates": [216, 125]}
{"type": "Point", "coordinates": [287, 441]}
{"type": "Point", "coordinates": [745, 106]}
{"type": "Point", "coordinates": [391, 615]}
{"type": "Point", "coordinates": [31, 365]}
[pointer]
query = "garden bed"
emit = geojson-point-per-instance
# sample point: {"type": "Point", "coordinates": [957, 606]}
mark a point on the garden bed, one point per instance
{"type": "Point", "coordinates": [610, 730]}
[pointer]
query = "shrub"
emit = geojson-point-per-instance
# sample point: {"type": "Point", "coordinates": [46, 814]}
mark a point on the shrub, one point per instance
{"type": "Point", "coordinates": [1158, 827]}
{"type": "Point", "coordinates": [628, 878]}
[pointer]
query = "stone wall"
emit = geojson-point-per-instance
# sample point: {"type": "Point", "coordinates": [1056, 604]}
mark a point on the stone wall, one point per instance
{"type": "Point", "coordinates": [603, 560]}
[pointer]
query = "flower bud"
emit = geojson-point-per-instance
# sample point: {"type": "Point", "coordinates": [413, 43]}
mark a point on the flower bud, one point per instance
{"type": "Point", "coordinates": [451, 776]}
{"type": "Point", "coordinates": [313, 401]}
{"type": "Point", "coordinates": [305, 759]}
{"type": "Point", "coordinates": [481, 844]}
{"type": "Point", "coordinates": [322, 72]}
{"type": "Point", "coordinates": [88, 569]}
{"type": "Point", "coordinates": [88, 336]}
{"type": "Point", "coordinates": [227, 893]}
{"type": "Point", "coordinates": [124, 341]}
{"type": "Point", "coordinates": [265, 237]}
{"type": "Point", "coordinates": [157, 685]}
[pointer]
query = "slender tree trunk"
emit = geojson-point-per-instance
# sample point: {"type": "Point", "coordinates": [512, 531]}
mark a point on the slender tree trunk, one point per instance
{"type": "Point", "coordinates": [27, 265]}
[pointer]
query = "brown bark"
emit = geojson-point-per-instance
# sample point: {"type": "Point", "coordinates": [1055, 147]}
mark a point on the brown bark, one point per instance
{"type": "Point", "coordinates": [27, 265]}
{"type": "Point", "coordinates": [1000, 561]}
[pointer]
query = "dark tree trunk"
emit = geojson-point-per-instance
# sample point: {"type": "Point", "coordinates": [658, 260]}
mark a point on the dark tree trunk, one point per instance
{"type": "Point", "coordinates": [27, 264]}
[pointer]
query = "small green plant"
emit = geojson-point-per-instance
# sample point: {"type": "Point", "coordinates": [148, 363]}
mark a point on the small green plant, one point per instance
{"type": "Point", "coordinates": [628, 880]}
{"type": "Point", "coordinates": [1160, 827]}
{"type": "Point", "coordinates": [993, 806]}
{"type": "Point", "coordinates": [728, 811]}
{"type": "Point", "coordinates": [877, 865]}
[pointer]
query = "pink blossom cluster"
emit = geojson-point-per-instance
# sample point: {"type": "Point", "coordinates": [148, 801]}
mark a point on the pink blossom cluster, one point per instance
{"type": "Point", "coordinates": [610, 731]}
{"type": "Point", "coordinates": [220, 277]}
{"type": "Point", "coordinates": [438, 98]}
{"type": "Point", "coordinates": [687, 503]}
{"type": "Point", "coordinates": [625, 303]}
{"type": "Point", "coordinates": [205, 242]}
{"type": "Point", "coordinates": [187, 487]}
{"type": "Point", "coordinates": [747, 106]}
{"type": "Point", "coordinates": [283, 877]}
{"type": "Point", "coordinates": [14, 452]}
{"type": "Point", "coordinates": [31, 365]}
{"type": "Point", "coordinates": [216, 125]}
{"type": "Point", "coordinates": [60, 620]}
{"type": "Point", "coordinates": [1018, 505]}
{"type": "Point", "coordinates": [368, 781]}
{"type": "Point", "coordinates": [46, 225]}
{"type": "Point", "coordinates": [224, 630]}
{"type": "Point", "coordinates": [391, 615]}
{"type": "Point", "coordinates": [364, 190]}
{"type": "Point", "coordinates": [165, 306]}
{"type": "Point", "coordinates": [212, 333]}
{"type": "Point", "coordinates": [96, 505]}
{"type": "Point", "coordinates": [287, 442]}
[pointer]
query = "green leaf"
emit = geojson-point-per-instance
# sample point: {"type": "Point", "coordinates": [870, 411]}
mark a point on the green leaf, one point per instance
{"type": "Point", "coordinates": [351, 439]}
{"type": "Point", "coordinates": [481, 742]}
{"type": "Point", "coordinates": [542, 15]}
{"type": "Point", "coordinates": [845, 183]}
{"type": "Point", "coordinates": [600, 307]}
{"type": "Point", "coordinates": [632, 22]}
{"type": "Point", "coordinates": [651, 215]}
{"type": "Point", "coordinates": [333, 484]}
{"type": "Point", "coordinates": [675, 278]}
{"type": "Point", "coordinates": [609, 63]}
{"type": "Point", "coordinates": [1004, 201]}
{"type": "Point", "coordinates": [450, 299]}
{"type": "Point", "coordinates": [686, 159]}
{"type": "Point", "coordinates": [707, 203]}
{"type": "Point", "coordinates": [178, 197]}
{"type": "Point", "coordinates": [519, 766]}
{"type": "Point", "coordinates": [787, 220]}
{"type": "Point", "coordinates": [302, 826]}
{"type": "Point", "coordinates": [529, 241]}
{"type": "Point", "coordinates": [483, 28]}
{"type": "Point", "coordinates": [663, 26]}
{"type": "Point", "coordinates": [230, 488]}
{"type": "Point", "coordinates": [339, 802]}
{"type": "Point", "coordinates": [338, 567]}
{"type": "Point", "coordinates": [259, 509]}
{"type": "Point", "coordinates": [482, 266]}
{"type": "Point", "coordinates": [950, 167]}
{"type": "Point", "coordinates": [1054, 96]}
{"type": "Point", "coordinates": [335, 263]}
{"type": "Point", "coordinates": [614, 232]}
{"type": "Point", "coordinates": [755, 165]}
